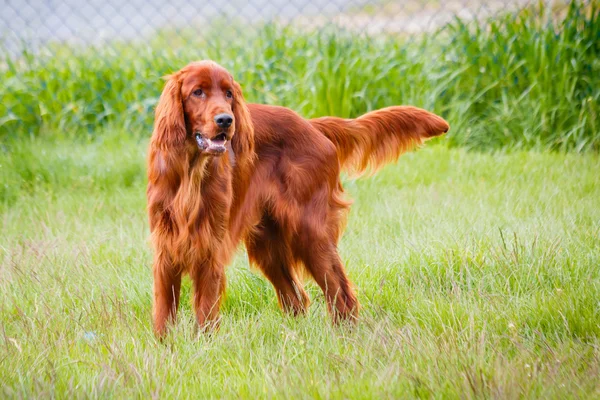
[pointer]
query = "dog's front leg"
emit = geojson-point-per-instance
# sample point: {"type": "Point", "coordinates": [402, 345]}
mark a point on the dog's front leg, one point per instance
{"type": "Point", "coordinates": [209, 290]}
{"type": "Point", "coordinates": [167, 285]}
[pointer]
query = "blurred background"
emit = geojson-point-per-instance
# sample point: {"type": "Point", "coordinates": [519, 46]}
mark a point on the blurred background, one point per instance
{"type": "Point", "coordinates": [506, 73]}
{"type": "Point", "coordinates": [94, 21]}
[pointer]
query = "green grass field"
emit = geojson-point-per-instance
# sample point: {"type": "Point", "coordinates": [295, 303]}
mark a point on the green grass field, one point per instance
{"type": "Point", "coordinates": [477, 273]}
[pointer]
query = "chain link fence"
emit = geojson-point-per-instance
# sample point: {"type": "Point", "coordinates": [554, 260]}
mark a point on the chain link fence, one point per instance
{"type": "Point", "coordinates": [36, 22]}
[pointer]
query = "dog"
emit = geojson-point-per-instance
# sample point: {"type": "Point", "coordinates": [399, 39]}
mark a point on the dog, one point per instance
{"type": "Point", "coordinates": [222, 171]}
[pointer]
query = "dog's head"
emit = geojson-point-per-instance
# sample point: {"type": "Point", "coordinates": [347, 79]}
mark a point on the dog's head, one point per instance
{"type": "Point", "coordinates": [203, 108]}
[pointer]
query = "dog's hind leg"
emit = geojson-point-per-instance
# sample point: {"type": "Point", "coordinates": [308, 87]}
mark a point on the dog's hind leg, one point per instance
{"type": "Point", "coordinates": [271, 252]}
{"type": "Point", "coordinates": [315, 245]}
{"type": "Point", "coordinates": [325, 266]}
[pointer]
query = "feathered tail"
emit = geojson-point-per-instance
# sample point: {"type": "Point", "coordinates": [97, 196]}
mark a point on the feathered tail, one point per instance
{"type": "Point", "coordinates": [379, 137]}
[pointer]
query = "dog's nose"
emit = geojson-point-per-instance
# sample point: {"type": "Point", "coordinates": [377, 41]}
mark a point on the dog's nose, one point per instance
{"type": "Point", "coordinates": [223, 120]}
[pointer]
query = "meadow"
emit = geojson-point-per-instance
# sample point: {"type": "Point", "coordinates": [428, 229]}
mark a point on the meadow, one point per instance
{"type": "Point", "coordinates": [475, 258]}
{"type": "Point", "coordinates": [477, 273]}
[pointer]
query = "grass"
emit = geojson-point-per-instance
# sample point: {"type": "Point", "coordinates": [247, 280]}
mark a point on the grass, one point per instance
{"type": "Point", "coordinates": [477, 273]}
{"type": "Point", "coordinates": [530, 81]}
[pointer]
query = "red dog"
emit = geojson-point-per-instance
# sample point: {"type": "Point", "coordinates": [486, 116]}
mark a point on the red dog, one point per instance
{"type": "Point", "coordinates": [221, 170]}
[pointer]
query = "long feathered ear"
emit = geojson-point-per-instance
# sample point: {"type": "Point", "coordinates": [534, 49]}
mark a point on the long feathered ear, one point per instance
{"type": "Point", "coordinates": [243, 140]}
{"type": "Point", "coordinates": [169, 123]}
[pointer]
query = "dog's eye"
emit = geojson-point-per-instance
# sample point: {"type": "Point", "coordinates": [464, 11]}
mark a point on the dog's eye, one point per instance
{"type": "Point", "coordinates": [198, 92]}
{"type": "Point", "coordinates": [229, 94]}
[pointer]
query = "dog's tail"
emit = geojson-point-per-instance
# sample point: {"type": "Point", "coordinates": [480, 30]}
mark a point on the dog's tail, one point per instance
{"type": "Point", "coordinates": [379, 137]}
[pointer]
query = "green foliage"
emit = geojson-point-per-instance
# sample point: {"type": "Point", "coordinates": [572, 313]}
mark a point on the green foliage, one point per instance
{"type": "Point", "coordinates": [527, 82]}
{"type": "Point", "coordinates": [531, 81]}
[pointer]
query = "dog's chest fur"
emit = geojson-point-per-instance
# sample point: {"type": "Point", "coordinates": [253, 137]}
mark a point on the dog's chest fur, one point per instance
{"type": "Point", "coordinates": [203, 206]}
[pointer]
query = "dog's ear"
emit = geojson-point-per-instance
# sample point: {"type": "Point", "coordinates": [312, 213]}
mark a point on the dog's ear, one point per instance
{"type": "Point", "coordinates": [169, 123]}
{"type": "Point", "coordinates": [243, 140]}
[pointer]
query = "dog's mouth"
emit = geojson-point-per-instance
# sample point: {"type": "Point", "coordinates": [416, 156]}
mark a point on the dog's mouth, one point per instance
{"type": "Point", "coordinates": [214, 146]}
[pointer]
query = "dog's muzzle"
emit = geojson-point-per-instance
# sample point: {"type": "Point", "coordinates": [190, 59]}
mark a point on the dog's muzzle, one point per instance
{"type": "Point", "coordinates": [214, 146]}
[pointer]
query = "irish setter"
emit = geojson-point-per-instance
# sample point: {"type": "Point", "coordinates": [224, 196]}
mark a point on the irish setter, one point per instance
{"type": "Point", "coordinates": [221, 171]}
